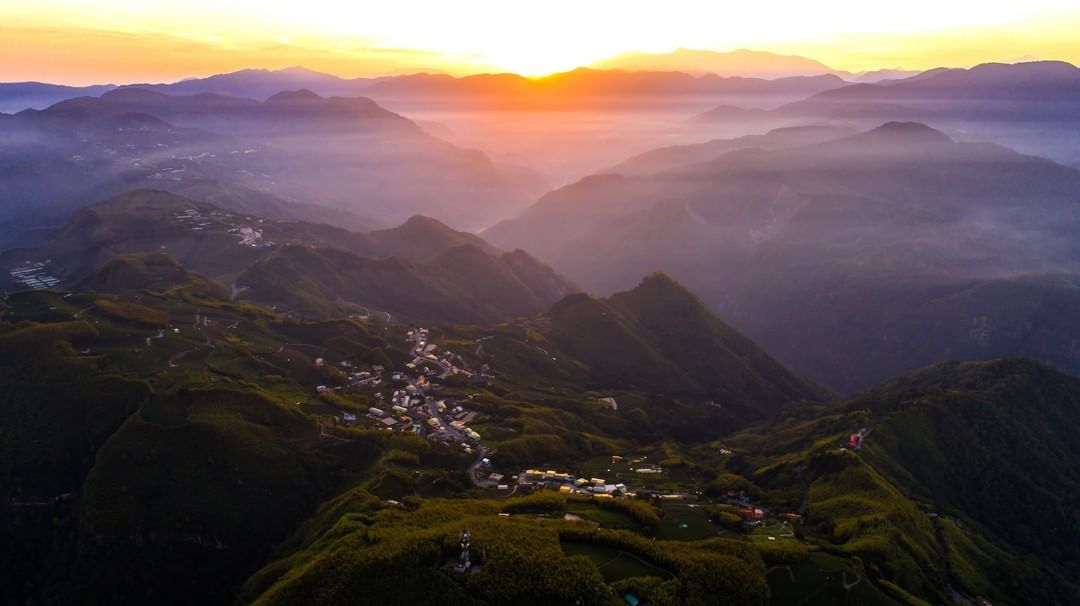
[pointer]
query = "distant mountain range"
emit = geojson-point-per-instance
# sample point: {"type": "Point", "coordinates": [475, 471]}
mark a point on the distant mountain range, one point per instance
{"type": "Point", "coordinates": [261, 84]}
{"type": "Point", "coordinates": [738, 63]}
{"type": "Point", "coordinates": [988, 90]}
{"type": "Point", "coordinates": [344, 160]}
{"type": "Point", "coordinates": [1031, 106]}
{"type": "Point", "coordinates": [836, 251]}
{"type": "Point", "coordinates": [741, 78]}
{"type": "Point", "coordinates": [17, 96]}
{"type": "Point", "coordinates": [580, 88]}
{"type": "Point", "coordinates": [594, 89]}
{"type": "Point", "coordinates": [743, 62]}
{"type": "Point", "coordinates": [664, 158]}
{"type": "Point", "coordinates": [924, 226]}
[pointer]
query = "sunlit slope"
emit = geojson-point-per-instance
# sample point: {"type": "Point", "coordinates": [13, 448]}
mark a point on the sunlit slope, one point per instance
{"type": "Point", "coordinates": [956, 462]}
{"type": "Point", "coordinates": [659, 335]}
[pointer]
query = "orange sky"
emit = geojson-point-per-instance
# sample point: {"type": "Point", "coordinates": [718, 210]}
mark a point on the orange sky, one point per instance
{"type": "Point", "coordinates": [96, 41]}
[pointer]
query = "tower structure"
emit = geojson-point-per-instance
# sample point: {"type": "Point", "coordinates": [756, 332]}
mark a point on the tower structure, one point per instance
{"type": "Point", "coordinates": [464, 562]}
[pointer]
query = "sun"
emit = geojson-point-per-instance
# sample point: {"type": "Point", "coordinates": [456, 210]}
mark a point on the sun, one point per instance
{"type": "Point", "coordinates": [536, 64]}
{"type": "Point", "coordinates": [123, 41]}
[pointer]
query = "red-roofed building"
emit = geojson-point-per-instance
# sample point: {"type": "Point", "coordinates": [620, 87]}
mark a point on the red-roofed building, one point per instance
{"type": "Point", "coordinates": [752, 513]}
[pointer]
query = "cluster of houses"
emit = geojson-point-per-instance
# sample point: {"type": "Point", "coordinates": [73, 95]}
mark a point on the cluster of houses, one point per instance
{"type": "Point", "coordinates": [358, 378]}
{"type": "Point", "coordinates": [535, 479]}
{"type": "Point", "coordinates": [251, 236]}
{"type": "Point", "coordinates": [638, 465]}
{"type": "Point", "coordinates": [34, 276]}
{"type": "Point", "coordinates": [566, 483]}
{"type": "Point", "coordinates": [241, 227]}
{"type": "Point", "coordinates": [855, 440]}
{"type": "Point", "coordinates": [362, 378]}
{"type": "Point", "coordinates": [192, 217]}
{"type": "Point", "coordinates": [459, 418]}
{"type": "Point", "coordinates": [396, 419]}
{"type": "Point", "coordinates": [410, 407]}
{"type": "Point", "coordinates": [753, 515]}
{"type": "Point", "coordinates": [445, 363]}
{"type": "Point", "coordinates": [436, 420]}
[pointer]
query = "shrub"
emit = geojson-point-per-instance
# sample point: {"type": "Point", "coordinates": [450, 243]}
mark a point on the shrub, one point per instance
{"type": "Point", "coordinates": [133, 312]}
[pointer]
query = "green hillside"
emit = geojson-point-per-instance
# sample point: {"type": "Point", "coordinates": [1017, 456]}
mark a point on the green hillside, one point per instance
{"type": "Point", "coordinates": [144, 221]}
{"type": "Point", "coordinates": [661, 337]}
{"type": "Point", "coordinates": [965, 479]}
{"type": "Point", "coordinates": [395, 556]}
{"type": "Point", "coordinates": [151, 271]}
{"type": "Point", "coordinates": [126, 450]}
{"type": "Point", "coordinates": [422, 238]}
{"type": "Point", "coordinates": [994, 441]}
{"type": "Point", "coordinates": [462, 284]}
{"type": "Point", "coordinates": [422, 269]}
{"type": "Point", "coordinates": [207, 453]}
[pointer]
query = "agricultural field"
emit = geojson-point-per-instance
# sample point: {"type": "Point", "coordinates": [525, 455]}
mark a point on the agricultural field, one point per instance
{"type": "Point", "coordinates": [615, 564]}
{"type": "Point", "coordinates": [824, 580]}
{"type": "Point", "coordinates": [686, 522]}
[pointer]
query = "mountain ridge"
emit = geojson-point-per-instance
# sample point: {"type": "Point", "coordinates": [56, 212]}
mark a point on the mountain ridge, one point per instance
{"type": "Point", "coordinates": [896, 203]}
{"type": "Point", "coordinates": [740, 62]}
{"type": "Point", "coordinates": [347, 155]}
{"type": "Point", "coordinates": [297, 265]}
{"type": "Point", "coordinates": [661, 333]}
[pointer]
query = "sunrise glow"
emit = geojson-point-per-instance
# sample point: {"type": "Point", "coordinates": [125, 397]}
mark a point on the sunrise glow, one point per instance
{"type": "Point", "coordinates": [80, 41]}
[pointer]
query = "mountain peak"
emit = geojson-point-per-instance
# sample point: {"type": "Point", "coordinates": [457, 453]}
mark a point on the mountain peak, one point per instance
{"type": "Point", "coordinates": [425, 222]}
{"type": "Point", "coordinates": [1032, 68]}
{"type": "Point", "coordinates": [659, 334]}
{"type": "Point", "coordinates": [659, 279]}
{"type": "Point", "coordinates": [905, 132]}
{"type": "Point", "coordinates": [424, 237]}
{"type": "Point", "coordinates": [741, 62]}
{"type": "Point", "coordinates": [133, 94]}
{"type": "Point", "coordinates": [659, 286]}
{"type": "Point", "coordinates": [299, 70]}
{"type": "Point", "coordinates": [143, 271]}
{"type": "Point", "coordinates": [302, 95]}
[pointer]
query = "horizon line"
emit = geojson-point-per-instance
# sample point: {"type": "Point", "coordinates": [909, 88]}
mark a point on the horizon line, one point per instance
{"type": "Point", "coordinates": [533, 77]}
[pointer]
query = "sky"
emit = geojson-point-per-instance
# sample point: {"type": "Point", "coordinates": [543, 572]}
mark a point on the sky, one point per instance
{"type": "Point", "coordinates": [120, 41]}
